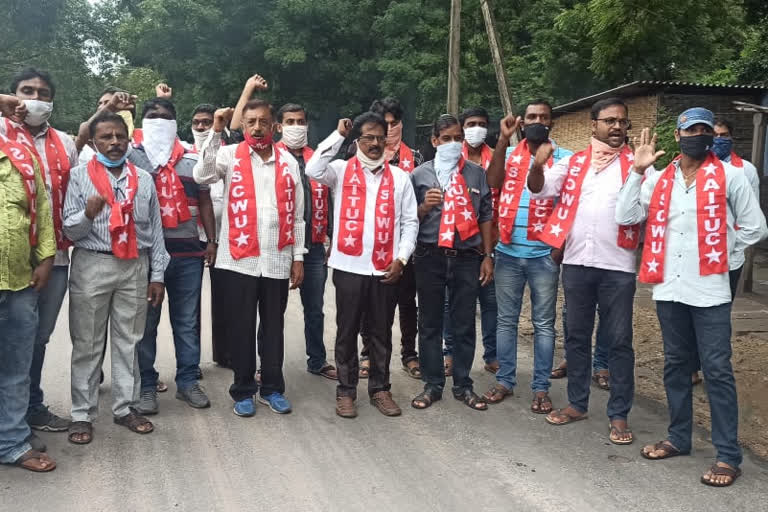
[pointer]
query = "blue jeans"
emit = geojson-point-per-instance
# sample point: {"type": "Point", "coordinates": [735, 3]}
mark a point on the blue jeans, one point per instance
{"type": "Point", "coordinates": [688, 331]}
{"type": "Point", "coordinates": [586, 290]}
{"type": "Point", "coordinates": [18, 325]}
{"type": "Point", "coordinates": [511, 275]}
{"type": "Point", "coordinates": [600, 357]}
{"type": "Point", "coordinates": [48, 305]}
{"type": "Point", "coordinates": [312, 293]}
{"type": "Point", "coordinates": [183, 281]}
{"type": "Point", "coordinates": [488, 312]}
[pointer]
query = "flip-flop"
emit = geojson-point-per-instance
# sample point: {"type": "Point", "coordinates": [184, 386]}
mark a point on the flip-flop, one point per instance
{"type": "Point", "coordinates": [23, 462]}
{"type": "Point", "coordinates": [611, 428]}
{"type": "Point", "coordinates": [721, 471]}
{"type": "Point", "coordinates": [560, 372]}
{"type": "Point", "coordinates": [666, 447]}
{"type": "Point", "coordinates": [559, 412]}
{"type": "Point", "coordinates": [602, 380]}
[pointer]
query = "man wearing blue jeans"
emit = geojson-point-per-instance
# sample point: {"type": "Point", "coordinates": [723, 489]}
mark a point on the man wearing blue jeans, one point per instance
{"type": "Point", "coordinates": [157, 149]}
{"type": "Point", "coordinates": [699, 211]}
{"type": "Point", "coordinates": [521, 258]}
{"type": "Point", "coordinates": [28, 247]}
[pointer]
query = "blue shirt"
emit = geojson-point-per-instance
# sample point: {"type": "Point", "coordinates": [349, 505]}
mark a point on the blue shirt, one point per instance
{"type": "Point", "coordinates": [521, 247]}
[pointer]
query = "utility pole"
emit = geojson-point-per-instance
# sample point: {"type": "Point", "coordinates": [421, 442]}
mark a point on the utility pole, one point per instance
{"type": "Point", "coordinates": [498, 60]}
{"type": "Point", "coordinates": [454, 56]}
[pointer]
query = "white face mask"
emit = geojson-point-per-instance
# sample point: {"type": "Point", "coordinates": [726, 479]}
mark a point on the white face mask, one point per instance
{"type": "Point", "coordinates": [475, 135]}
{"type": "Point", "coordinates": [200, 138]}
{"type": "Point", "coordinates": [38, 112]}
{"type": "Point", "coordinates": [159, 136]}
{"type": "Point", "coordinates": [447, 161]}
{"type": "Point", "coordinates": [367, 162]}
{"type": "Point", "coordinates": [295, 136]}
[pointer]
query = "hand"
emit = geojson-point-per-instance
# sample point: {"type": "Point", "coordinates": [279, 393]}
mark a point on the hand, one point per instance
{"type": "Point", "coordinates": [121, 101]}
{"type": "Point", "coordinates": [393, 272]}
{"type": "Point", "coordinates": [41, 273]}
{"type": "Point", "coordinates": [155, 293]}
{"type": "Point", "coordinates": [297, 274]}
{"type": "Point", "coordinates": [556, 255]}
{"type": "Point", "coordinates": [509, 126]}
{"type": "Point", "coordinates": [210, 253]}
{"type": "Point", "coordinates": [432, 198]}
{"type": "Point", "coordinates": [93, 206]}
{"type": "Point", "coordinates": [12, 108]}
{"type": "Point", "coordinates": [645, 153]}
{"type": "Point", "coordinates": [163, 91]}
{"type": "Point", "coordinates": [486, 271]}
{"type": "Point", "coordinates": [543, 154]}
{"type": "Point", "coordinates": [344, 127]}
{"type": "Point", "coordinates": [221, 118]}
{"type": "Point", "coordinates": [257, 83]}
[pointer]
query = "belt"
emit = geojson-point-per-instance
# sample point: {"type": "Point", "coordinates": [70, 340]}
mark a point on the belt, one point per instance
{"type": "Point", "coordinates": [451, 253]}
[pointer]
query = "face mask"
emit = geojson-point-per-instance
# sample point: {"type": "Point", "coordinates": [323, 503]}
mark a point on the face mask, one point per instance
{"type": "Point", "coordinates": [696, 146]}
{"type": "Point", "coordinates": [722, 147]}
{"type": "Point", "coordinates": [200, 137]}
{"type": "Point", "coordinates": [111, 163]}
{"type": "Point", "coordinates": [446, 161]}
{"type": "Point", "coordinates": [475, 135]}
{"type": "Point", "coordinates": [369, 163]}
{"type": "Point", "coordinates": [38, 112]}
{"type": "Point", "coordinates": [295, 136]}
{"type": "Point", "coordinates": [258, 143]}
{"type": "Point", "coordinates": [159, 138]}
{"type": "Point", "coordinates": [536, 133]}
{"type": "Point", "coordinates": [128, 118]}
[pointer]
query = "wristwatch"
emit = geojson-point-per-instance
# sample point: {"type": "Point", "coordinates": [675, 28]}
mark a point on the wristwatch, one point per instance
{"type": "Point", "coordinates": [404, 261]}
{"type": "Point", "coordinates": [491, 255]}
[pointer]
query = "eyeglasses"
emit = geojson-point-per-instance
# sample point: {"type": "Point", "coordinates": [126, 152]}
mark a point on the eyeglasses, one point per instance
{"type": "Point", "coordinates": [611, 121]}
{"type": "Point", "coordinates": [369, 139]}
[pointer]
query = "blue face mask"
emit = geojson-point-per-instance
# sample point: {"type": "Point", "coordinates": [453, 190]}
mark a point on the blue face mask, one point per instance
{"type": "Point", "coordinates": [111, 163]}
{"type": "Point", "coordinates": [722, 147]}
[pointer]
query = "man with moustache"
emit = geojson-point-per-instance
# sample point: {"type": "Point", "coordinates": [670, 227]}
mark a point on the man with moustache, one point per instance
{"type": "Point", "coordinates": [598, 262]}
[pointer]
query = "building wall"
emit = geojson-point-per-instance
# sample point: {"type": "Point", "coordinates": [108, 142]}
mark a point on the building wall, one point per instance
{"type": "Point", "coordinates": [573, 130]}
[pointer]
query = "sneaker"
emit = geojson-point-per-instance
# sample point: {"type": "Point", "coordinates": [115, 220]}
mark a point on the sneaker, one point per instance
{"type": "Point", "coordinates": [44, 420]}
{"type": "Point", "coordinates": [245, 408]}
{"type": "Point", "coordinates": [36, 443]}
{"type": "Point", "coordinates": [277, 402]}
{"type": "Point", "coordinates": [194, 396]}
{"type": "Point", "coordinates": [147, 402]}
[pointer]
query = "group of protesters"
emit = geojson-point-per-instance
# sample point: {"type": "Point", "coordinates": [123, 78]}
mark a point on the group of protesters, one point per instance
{"type": "Point", "coordinates": [121, 216]}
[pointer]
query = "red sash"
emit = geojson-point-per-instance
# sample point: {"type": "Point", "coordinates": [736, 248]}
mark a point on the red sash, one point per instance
{"type": "Point", "coordinates": [242, 214]}
{"type": "Point", "coordinates": [561, 220]}
{"type": "Point", "coordinates": [457, 197]}
{"type": "Point", "coordinates": [405, 158]}
{"type": "Point", "coordinates": [352, 215]}
{"type": "Point", "coordinates": [58, 169]}
{"type": "Point", "coordinates": [174, 206]}
{"type": "Point", "coordinates": [711, 217]}
{"type": "Point", "coordinates": [23, 162]}
{"type": "Point", "coordinates": [516, 175]}
{"type": "Point", "coordinates": [736, 160]}
{"type": "Point", "coordinates": [485, 154]}
{"type": "Point", "coordinates": [319, 200]}
{"type": "Point", "coordinates": [122, 227]}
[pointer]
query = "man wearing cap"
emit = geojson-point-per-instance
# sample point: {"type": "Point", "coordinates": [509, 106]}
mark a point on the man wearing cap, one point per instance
{"type": "Point", "coordinates": [692, 210]}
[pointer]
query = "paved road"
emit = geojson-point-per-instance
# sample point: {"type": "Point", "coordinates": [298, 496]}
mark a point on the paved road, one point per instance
{"type": "Point", "coordinates": [443, 459]}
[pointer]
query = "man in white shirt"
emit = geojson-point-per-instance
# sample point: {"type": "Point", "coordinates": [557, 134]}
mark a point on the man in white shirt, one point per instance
{"type": "Point", "coordinates": [692, 210]}
{"type": "Point", "coordinates": [598, 262]}
{"type": "Point", "coordinates": [261, 247]}
{"type": "Point", "coordinates": [375, 233]}
{"type": "Point", "coordinates": [56, 154]}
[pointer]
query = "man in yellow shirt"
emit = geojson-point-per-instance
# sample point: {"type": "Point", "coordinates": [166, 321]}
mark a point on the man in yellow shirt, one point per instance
{"type": "Point", "coordinates": [27, 248]}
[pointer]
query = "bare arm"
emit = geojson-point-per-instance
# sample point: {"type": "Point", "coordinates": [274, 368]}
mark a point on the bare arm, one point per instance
{"type": "Point", "coordinates": [253, 84]}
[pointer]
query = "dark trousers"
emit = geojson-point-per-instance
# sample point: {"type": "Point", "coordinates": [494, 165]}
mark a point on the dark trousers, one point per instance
{"type": "Point", "coordinates": [586, 289]}
{"type": "Point", "coordinates": [434, 273]}
{"type": "Point", "coordinates": [359, 296]}
{"type": "Point", "coordinates": [406, 305]}
{"type": "Point", "coordinates": [246, 297]}
{"type": "Point", "coordinates": [219, 342]}
{"type": "Point", "coordinates": [691, 333]}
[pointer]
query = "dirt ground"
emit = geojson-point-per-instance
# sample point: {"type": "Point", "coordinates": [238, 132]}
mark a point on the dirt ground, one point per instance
{"type": "Point", "coordinates": [750, 363]}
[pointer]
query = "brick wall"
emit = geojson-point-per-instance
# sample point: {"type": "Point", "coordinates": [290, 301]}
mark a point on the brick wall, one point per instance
{"type": "Point", "coordinates": [573, 130]}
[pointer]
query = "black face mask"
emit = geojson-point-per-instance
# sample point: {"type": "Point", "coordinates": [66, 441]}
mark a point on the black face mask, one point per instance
{"type": "Point", "coordinates": [536, 133]}
{"type": "Point", "coordinates": [696, 146]}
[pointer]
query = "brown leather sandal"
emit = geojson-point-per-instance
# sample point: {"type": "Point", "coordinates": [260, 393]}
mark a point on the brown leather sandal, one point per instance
{"type": "Point", "coordinates": [134, 422]}
{"type": "Point", "coordinates": [541, 404]}
{"type": "Point", "coordinates": [497, 394]}
{"type": "Point", "coordinates": [559, 417]}
{"type": "Point", "coordinates": [603, 380]}
{"type": "Point", "coordinates": [715, 470]}
{"type": "Point", "coordinates": [35, 461]}
{"type": "Point", "coordinates": [668, 450]}
{"type": "Point", "coordinates": [560, 372]}
{"type": "Point", "coordinates": [365, 368]}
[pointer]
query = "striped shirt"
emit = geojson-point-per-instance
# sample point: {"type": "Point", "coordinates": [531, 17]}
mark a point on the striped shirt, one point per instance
{"type": "Point", "coordinates": [94, 234]}
{"type": "Point", "coordinates": [183, 240]}
{"type": "Point", "coordinates": [520, 246]}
